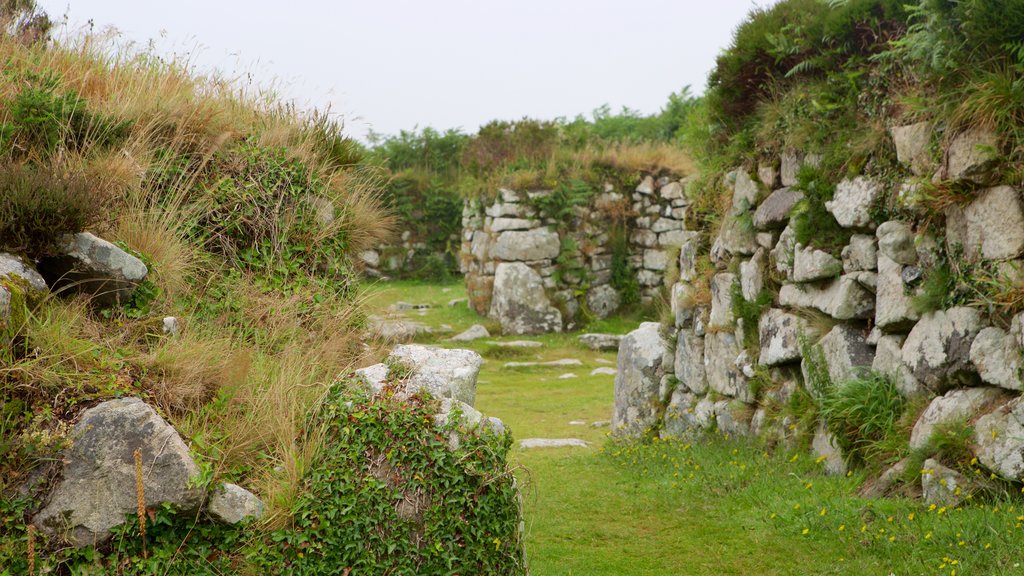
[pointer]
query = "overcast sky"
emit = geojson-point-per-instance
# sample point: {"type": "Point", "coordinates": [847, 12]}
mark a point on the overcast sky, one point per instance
{"type": "Point", "coordinates": [387, 65]}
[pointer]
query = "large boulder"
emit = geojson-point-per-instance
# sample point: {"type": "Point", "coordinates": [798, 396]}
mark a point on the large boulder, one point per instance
{"type": "Point", "coordinates": [846, 352]}
{"type": "Point", "coordinates": [999, 440]}
{"type": "Point", "coordinates": [779, 334]}
{"type": "Point", "coordinates": [519, 302]}
{"type": "Point", "coordinates": [971, 155]}
{"type": "Point", "coordinates": [526, 245]}
{"type": "Point", "coordinates": [844, 298]}
{"type": "Point", "coordinates": [938, 349]}
{"type": "Point", "coordinates": [894, 308]}
{"type": "Point", "coordinates": [955, 406]}
{"type": "Point", "coordinates": [723, 374]}
{"type": "Point", "coordinates": [640, 368]}
{"type": "Point", "coordinates": [90, 265]}
{"type": "Point", "coordinates": [851, 204]}
{"type": "Point", "coordinates": [912, 144]}
{"type": "Point", "coordinates": [991, 227]}
{"type": "Point", "coordinates": [445, 373]}
{"type": "Point", "coordinates": [689, 363]}
{"type": "Point", "coordinates": [997, 357]}
{"type": "Point", "coordinates": [774, 211]}
{"type": "Point", "coordinates": [97, 488]}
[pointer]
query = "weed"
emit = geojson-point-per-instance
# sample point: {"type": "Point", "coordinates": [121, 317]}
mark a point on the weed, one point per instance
{"type": "Point", "coordinates": [862, 413]}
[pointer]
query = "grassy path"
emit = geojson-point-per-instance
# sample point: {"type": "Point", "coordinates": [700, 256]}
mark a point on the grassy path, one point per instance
{"type": "Point", "coordinates": [718, 508]}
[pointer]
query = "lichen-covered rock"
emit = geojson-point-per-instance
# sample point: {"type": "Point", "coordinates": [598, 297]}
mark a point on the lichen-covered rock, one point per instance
{"type": "Point", "coordinates": [843, 299]}
{"type": "Point", "coordinates": [231, 504]}
{"type": "Point", "coordinates": [894, 309]}
{"type": "Point", "coordinates": [724, 376]}
{"type": "Point", "coordinates": [991, 227]}
{"type": "Point", "coordinates": [445, 373]}
{"type": "Point", "coordinates": [90, 265]}
{"type": "Point", "coordinates": [824, 446]}
{"type": "Point", "coordinates": [734, 239]}
{"type": "Point", "coordinates": [943, 486]}
{"type": "Point", "coordinates": [810, 264]}
{"type": "Point", "coordinates": [97, 487]}
{"type": "Point", "coordinates": [721, 300]}
{"type": "Point", "coordinates": [956, 405]}
{"type": "Point", "coordinates": [688, 251]}
{"type": "Point", "coordinates": [733, 418]}
{"type": "Point", "coordinates": [774, 211]}
{"type": "Point", "coordinates": [637, 383]}
{"type": "Point", "coordinates": [779, 334]}
{"type": "Point", "coordinates": [682, 304]}
{"type": "Point", "coordinates": [999, 440]}
{"type": "Point", "coordinates": [912, 143]}
{"type": "Point", "coordinates": [896, 242]}
{"type": "Point", "coordinates": [752, 275]}
{"type": "Point", "coordinates": [937, 350]}
{"type": "Point", "coordinates": [689, 363]}
{"type": "Point", "coordinates": [655, 259]}
{"type": "Point", "coordinates": [846, 352]}
{"type": "Point", "coordinates": [526, 245]}
{"type": "Point", "coordinates": [602, 301]}
{"type": "Point", "coordinates": [744, 195]}
{"type": "Point", "coordinates": [860, 254]}
{"type": "Point", "coordinates": [997, 358]}
{"type": "Point", "coordinates": [851, 204]}
{"type": "Point", "coordinates": [782, 253]}
{"type": "Point", "coordinates": [520, 303]}
{"type": "Point", "coordinates": [15, 269]}
{"type": "Point", "coordinates": [889, 362]}
{"type": "Point", "coordinates": [474, 332]}
{"type": "Point", "coordinates": [680, 418]}
{"type": "Point", "coordinates": [600, 342]}
{"type": "Point", "coordinates": [971, 155]}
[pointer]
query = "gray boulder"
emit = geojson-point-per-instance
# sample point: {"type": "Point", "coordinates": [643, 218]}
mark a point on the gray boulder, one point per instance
{"type": "Point", "coordinates": [852, 201]}
{"type": "Point", "coordinates": [825, 447]}
{"type": "Point", "coordinates": [956, 405]}
{"type": "Point", "coordinates": [680, 418]}
{"type": "Point", "coordinates": [971, 155]}
{"type": "Point", "coordinates": [843, 298]}
{"type": "Point", "coordinates": [689, 363]}
{"type": "Point", "coordinates": [774, 211]}
{"type": "Point", "coordinates": [723, 374]}
{"type": "Point", "coordinates": [991, 227]}
{"type": "Point", "coordinates": [445, 373]}
{"type": "Point", "coordinates": [999, 440]}
{"type": "Point", "coordinates": [779, 333]}
{"type": "Point", "coordinates": [97, 487]}
{"type": "Point", "coordinates": [232, 504]}
{"type": "Point", "coordinates": [526, 245]}
{"type": "Point", "coordinates": [688, 251]}
{"type": "Point", "coordinates": [734, 239]}
{"type": "Point", "coordinates": [846, 352]}
{"type": "Point", "coordinates": [14, 268]}
{"type": "Point", "coordinates": [943, 486]}
{"type": "Point", "coordinates": [752, 275]}
{"type": "Point", "coordinates": [744, 195]}
{"type": "Point", "coordinates": [889, 362]}
{"type": "Point", "coordinates": [603, 300]}
{"type": "Point", "coordinates": [860, 254]}
{"type": "Point", "coordinates": [721, 300]}
{"type": "Point", "coordinates": [733, 417]}
{"type": "Point", "coordinates": [474, 332]}
{"type": "Point", "coordinates": [640, 369]}
{"type": "Point", "coordinates": [894, 308]}
{"type": "Point", "coordinates": [810, 264]}
{"type": "Point", "coordinates": [519, 302]}
{"type": "Point", "coordinates": [912, 143]}
{"type": "Point", "coordinates": [997, 358]}
{"type": "Point", "coordinates": [896, 242]}
{"type": "Point", "coordinates": [937, 350]}
{"type": "Point", "coordinates": [90, 265]}
{"type": "Point", "coordinates": [782, 253]}
{"type": "Point", "coordinates": [601, 342]}
{"type": "Point", "coordinates": [681, 305]}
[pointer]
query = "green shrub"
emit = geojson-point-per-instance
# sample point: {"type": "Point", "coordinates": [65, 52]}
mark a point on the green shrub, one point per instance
{"type": "Point", "coordinates": [38, 207]}
{"type": "Point", "coordinates": [812, 223]}
{"type": "Point", "coordinates": [862, 413]}
{"type": "Point", "coordinates": [390, 494]}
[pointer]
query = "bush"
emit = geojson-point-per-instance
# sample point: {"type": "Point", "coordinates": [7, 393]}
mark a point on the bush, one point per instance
{"type": "Point", "coordinates": [38, 207]}
{"type": "Point", "coordinates": [390, 491]}
{"type": "Point", "coordinates": [862, 413]}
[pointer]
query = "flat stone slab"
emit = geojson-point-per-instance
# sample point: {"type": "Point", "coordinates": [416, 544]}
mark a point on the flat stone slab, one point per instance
{"type": "Point", "coordinates": [603, 371]}
{"type": "Point", "coordinates": [518, 344]}
{"type": "Point", "coordinates": [567, 376]}
{"type": "Point", "coordinates": [562, 362]}
{"type": "Point", "coordinates": [528, 443]}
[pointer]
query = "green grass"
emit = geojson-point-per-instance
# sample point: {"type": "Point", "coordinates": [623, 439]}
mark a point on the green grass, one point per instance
{"type": "Point", "coordinates": [716, 507]}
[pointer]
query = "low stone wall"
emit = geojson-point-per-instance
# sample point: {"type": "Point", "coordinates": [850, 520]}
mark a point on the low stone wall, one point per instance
{"type": "Point", "coordinates": [832, 317]}
{"type": "Point", "coordinates": [408, 257]}
{"type": "Point", "coordinates": [534, 273]}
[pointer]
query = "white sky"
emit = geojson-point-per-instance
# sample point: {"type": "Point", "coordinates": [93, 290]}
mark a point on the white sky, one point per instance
{"type": "Point", "coordinates": [388, 65]}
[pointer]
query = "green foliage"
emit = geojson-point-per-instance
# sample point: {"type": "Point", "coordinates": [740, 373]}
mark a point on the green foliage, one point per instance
{"type": "Point", "coordinates": [624, 278]}
{"type": "Point", "coordinates": [862, 413]}
{"type": "Point", "coordinates": [389, 490]}
{"type": "Point", "coordinates": [561, 203]}
{"type": "Point", "coordinates": [811, 222]}
{"type": "Point", "coordinates": [38, 207]}
{"type": "Point", "coordinates": [749, 312]}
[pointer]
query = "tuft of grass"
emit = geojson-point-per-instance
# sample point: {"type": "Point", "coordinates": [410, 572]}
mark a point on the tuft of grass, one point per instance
{"type": "Point", "coordinates": [863, 413]}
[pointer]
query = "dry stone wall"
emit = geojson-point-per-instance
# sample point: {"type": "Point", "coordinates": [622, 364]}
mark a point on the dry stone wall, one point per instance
{"type": "Point", "coordinates": [534, 273]}
{"type": "Point", "coordinates": [834, 316]}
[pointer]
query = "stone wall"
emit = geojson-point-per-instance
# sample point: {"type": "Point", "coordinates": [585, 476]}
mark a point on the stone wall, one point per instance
{"type": "Point", "coordinates": [408, 257]}
{"type": "Point", "coordinates": [852, 311]}
{"type": "Point", "coordinates": [534, 273]}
